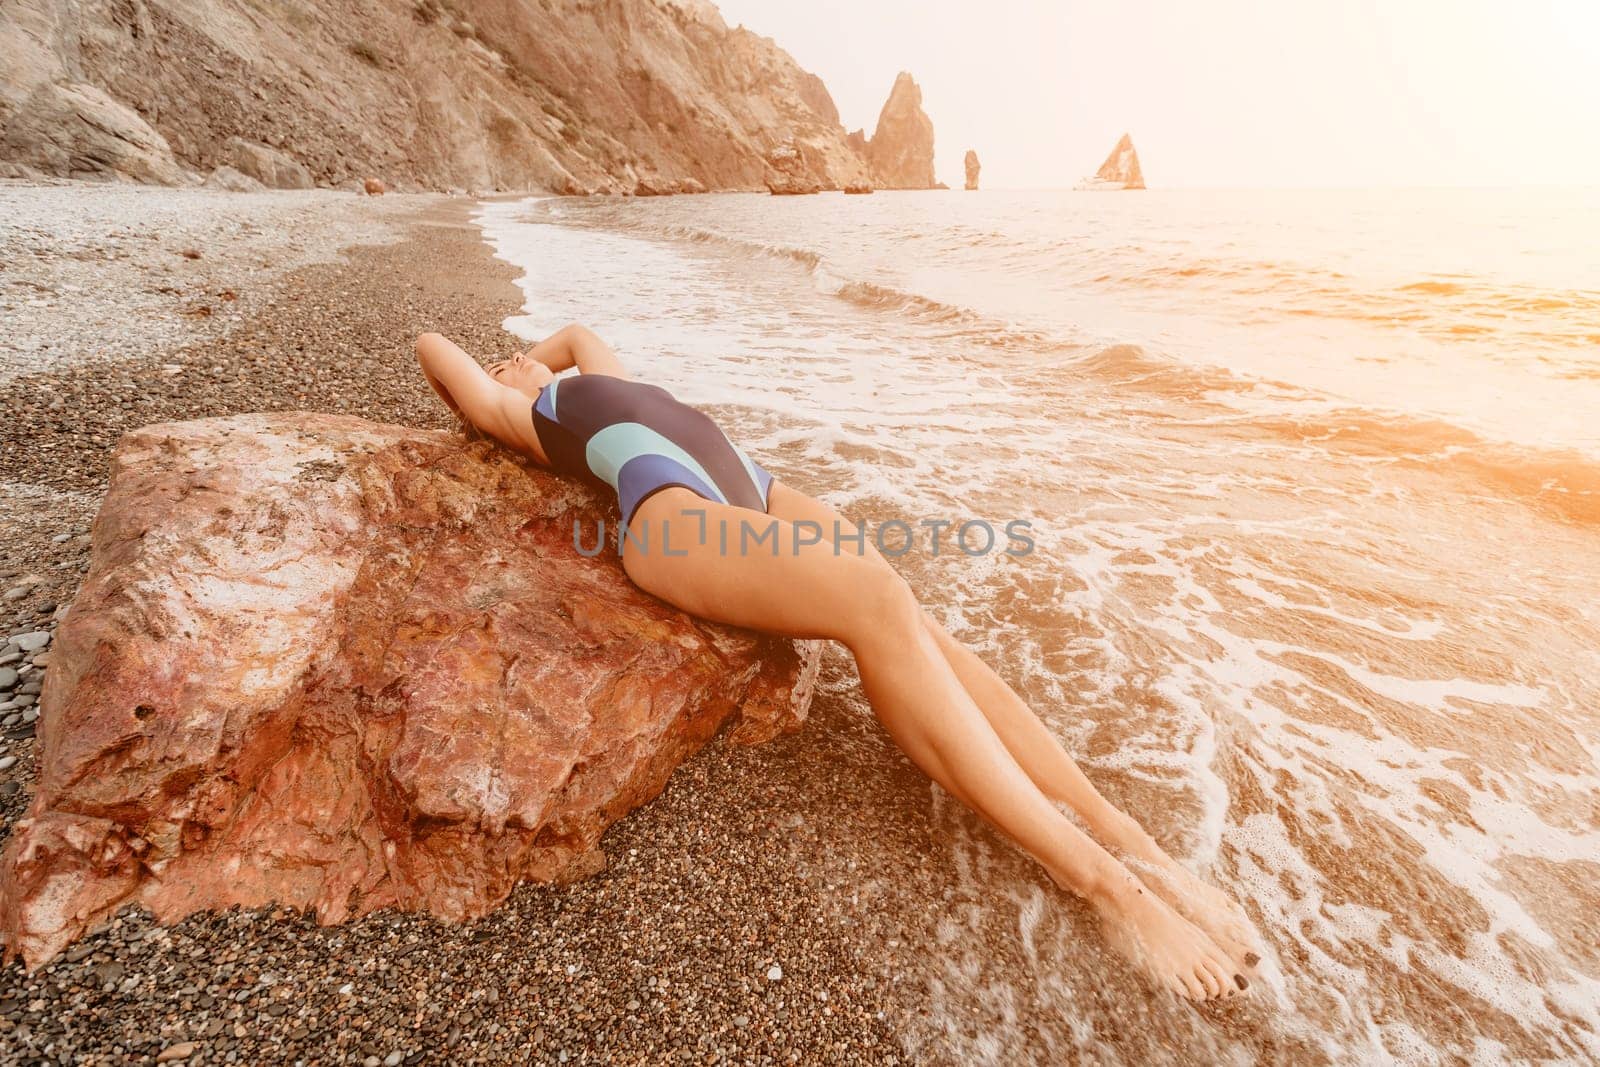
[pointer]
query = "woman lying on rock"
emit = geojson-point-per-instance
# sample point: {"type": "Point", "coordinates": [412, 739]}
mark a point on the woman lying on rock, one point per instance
{"type": "Point", "coordinates": [692, 505]}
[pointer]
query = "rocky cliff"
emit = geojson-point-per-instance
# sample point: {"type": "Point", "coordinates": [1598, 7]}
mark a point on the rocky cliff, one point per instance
{"type": "Point", "coordinates": [900, 152]}
{"type": "Point", "coordinates": [567, 96]}
{"type": "Point", "coordinates": [342, 666]}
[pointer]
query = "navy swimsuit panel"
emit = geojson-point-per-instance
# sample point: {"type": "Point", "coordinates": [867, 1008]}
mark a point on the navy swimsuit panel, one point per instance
{"type": "Point", "coordinates": [639, 439]}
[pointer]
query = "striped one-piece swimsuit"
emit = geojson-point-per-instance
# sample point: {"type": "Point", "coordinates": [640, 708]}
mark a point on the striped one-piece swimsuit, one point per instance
{"type": "Point", "coordinates": [639, 439]}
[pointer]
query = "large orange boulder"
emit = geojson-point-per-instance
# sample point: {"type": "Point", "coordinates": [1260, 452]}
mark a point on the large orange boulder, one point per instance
{"type": "Point", "coordinates": [341, 666]}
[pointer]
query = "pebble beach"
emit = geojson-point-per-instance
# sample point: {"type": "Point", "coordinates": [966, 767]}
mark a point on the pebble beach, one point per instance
{"type": "Point", "coordinates": [766, 908]}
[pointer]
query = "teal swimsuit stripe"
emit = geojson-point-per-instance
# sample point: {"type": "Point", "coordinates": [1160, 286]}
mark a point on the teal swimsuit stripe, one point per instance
{"type": "Point", "coordinates": [610, 450]}
{"type": "Point", "coordinates": [639, 439]}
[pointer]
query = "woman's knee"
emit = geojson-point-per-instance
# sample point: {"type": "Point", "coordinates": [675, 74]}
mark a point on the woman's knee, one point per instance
{"type": "Point", "coordinates": [883, 605]}
{"type": "Point", "coordinates": [576, 333]}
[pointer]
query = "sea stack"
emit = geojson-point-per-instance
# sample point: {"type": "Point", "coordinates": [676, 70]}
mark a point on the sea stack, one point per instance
{"type": "Point", "coordinates": [972, 165]}
{"type": "Point", "coordinates": [1119, 171]}
{"type": "Point", "coordinates": [900, 152]}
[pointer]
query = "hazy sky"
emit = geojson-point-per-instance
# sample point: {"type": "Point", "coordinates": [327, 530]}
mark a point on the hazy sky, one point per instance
{"type": "Point", "coordinates": [1223, 92]}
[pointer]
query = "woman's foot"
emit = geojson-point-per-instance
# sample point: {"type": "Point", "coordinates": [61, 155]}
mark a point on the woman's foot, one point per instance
{"type": "Point", "coordinates": [1173, 951]}
{"type": "Point", "coordinates": [1203, 904]}
{"type": "Point", "coordinates": [1208, 907]}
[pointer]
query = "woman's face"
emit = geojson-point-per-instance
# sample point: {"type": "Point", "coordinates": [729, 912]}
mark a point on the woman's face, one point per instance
{"type": "Point", "coordinates": [525, 375]}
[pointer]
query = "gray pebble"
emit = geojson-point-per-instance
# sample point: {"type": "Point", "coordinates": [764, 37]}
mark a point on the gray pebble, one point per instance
{"type": "Point", "coordinates": [7, 762]}
{"type": "Point", "coordinates": [32, 685]}
{"type": "Point", "coordinates": [23, 700]}
{"type": "Point", "coordinates": [33, 640]}
{"type": "Point", "coordinates": [11, 719]}
{"type": "Point", "coordinates": [393, 1059]}
{"type": "Point", "coordinates": [8, 677]}
{"type": "Point", "coordinates": [30, 714]}
{"type": "Point", "coordinates": [8, 789]}
{"type": "Point", "coordinates": [62, 538]}
{"type": "Point", "coordinates": [10, 657]}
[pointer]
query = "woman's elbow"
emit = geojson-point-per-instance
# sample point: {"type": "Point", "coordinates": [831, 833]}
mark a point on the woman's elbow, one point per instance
{"type": "Point", "coordinates": [433, 353]}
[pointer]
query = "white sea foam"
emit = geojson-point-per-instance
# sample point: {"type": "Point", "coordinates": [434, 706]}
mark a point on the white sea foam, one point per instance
{"type": "Point", "coordinates": [1352, 685]}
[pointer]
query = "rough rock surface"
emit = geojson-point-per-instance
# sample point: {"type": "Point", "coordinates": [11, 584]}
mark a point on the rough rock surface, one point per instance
{"type": "Point", "coordinates": [76, 130]}
{"type": "Point", "coordinates": [655, 185]}
{"type": "Point", "coordinates": [373, 187]}
{"type": "Point", "coordinates": [566, 96]}
{"type": "Point", "coordinates": [267, 165]}
{"type": "Point", "coordinates": [901, 150]}
{"type": "Point", "coordinates": [342, 666]}
{"type": "Point", "coordinates": [972, 166]}
{"type": "Point", "coordinates": [230, 180]}
{"type": "Point", "coordinates": [790, 175]}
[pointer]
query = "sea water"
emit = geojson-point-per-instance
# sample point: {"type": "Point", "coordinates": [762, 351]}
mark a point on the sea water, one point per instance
{"type": "Point", "coordinates": [1313, 481]}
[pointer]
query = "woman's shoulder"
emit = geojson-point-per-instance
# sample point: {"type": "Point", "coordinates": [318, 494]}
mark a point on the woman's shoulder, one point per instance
{"type": "Point", "coordinates": [516, 430]}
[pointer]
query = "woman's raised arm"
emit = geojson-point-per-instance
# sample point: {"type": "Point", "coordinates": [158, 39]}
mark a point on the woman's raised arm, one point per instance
{"type": "Point", "coordinates": [469, 391]}
{"type": "Point", "coordinates": [578, 346]}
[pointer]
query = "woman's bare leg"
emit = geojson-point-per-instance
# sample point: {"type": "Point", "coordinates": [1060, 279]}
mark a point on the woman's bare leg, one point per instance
{"type": "Point", "coordinates": [1053, 770]}
{"type": "Point", "coordinates": [779, 585]}
{"type": "Point", "coordinates": [1060, 778]}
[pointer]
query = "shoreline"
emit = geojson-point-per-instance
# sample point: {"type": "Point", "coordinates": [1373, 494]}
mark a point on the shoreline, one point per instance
{"type": "Point", "coordinates": [823, 857]}
{"type": "Point", "coordinates": [746, 862]}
